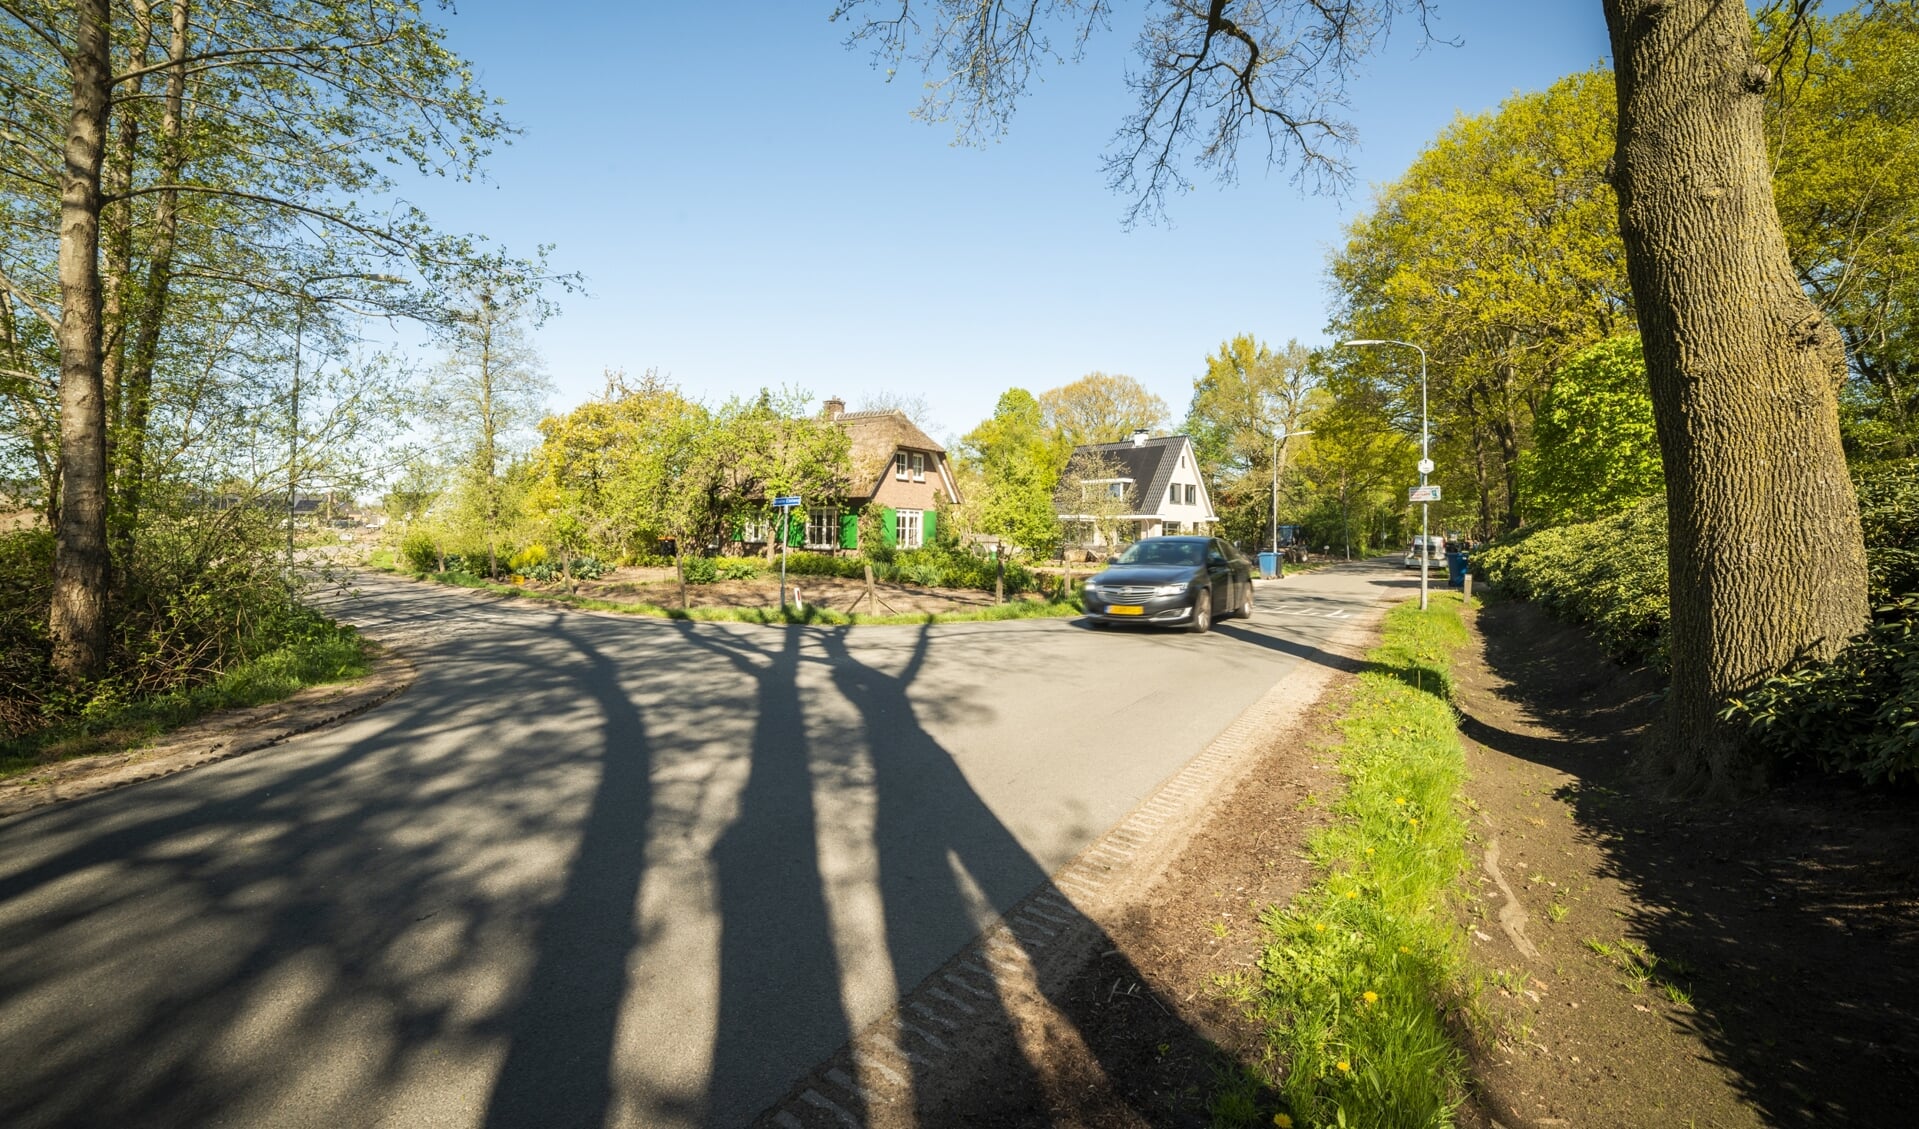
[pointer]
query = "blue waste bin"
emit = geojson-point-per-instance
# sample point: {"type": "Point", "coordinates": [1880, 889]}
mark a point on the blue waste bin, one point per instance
{"type": "Point", "coordinates": [1455, 569]}
{"type": "Point", "coordinates": [1269, 565]}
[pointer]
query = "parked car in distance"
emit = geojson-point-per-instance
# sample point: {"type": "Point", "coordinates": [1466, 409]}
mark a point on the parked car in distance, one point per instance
{"type": "Point", "coordinates": [1172, 581]}
{"type": "Point", "coordinates": [1436, 554]}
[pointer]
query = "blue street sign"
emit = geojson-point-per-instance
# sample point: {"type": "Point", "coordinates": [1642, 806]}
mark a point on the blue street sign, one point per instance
{"type": "Point", "coordinates": [787, 501]}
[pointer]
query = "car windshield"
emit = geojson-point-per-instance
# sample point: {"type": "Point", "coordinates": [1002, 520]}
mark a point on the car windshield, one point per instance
{"type": "Point", "coordinates": [1164, 553]}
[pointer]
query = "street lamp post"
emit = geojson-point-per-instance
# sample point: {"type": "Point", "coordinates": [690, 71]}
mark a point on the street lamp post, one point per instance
{"type": "Point", "coordinates": [1425, 462]}
{"type": "Point", "coordinates": [1279, 448]}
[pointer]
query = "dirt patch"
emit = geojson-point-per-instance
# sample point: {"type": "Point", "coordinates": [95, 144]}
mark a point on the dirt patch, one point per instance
{"type": "Point", "coordinates": [1651, 962]}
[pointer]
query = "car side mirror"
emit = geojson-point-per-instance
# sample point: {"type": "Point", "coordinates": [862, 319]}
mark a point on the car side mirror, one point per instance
{"type": "Point", "coordinates": [1112, 560]}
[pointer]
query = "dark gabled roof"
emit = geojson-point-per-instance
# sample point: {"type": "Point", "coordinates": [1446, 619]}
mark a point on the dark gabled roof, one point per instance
{"type": "Point", "coordinates": [1150, 465]}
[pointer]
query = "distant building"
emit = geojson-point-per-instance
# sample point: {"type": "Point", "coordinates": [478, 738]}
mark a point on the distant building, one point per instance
{"type": "Point", "coordinates": [895, 466]}
{"type": "Point", "coordinates": [1159, 478]}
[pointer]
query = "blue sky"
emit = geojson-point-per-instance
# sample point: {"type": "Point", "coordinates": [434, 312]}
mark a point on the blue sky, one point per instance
{"type": "Point", "coordinates": [752, 204]}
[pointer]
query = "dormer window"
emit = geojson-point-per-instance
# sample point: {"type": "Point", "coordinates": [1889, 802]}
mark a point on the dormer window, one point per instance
{"type": "Point", "coordinates": [901, 469]}
{"type": "Point", "coordinates": [919, 467]}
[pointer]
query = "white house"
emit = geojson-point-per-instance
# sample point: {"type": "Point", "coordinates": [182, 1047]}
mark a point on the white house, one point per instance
{"type": "Point", "coordinates": [1160, 479]}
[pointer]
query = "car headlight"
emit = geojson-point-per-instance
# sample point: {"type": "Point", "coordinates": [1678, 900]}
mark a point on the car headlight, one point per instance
{"type": "Point", "coordinates": [1169, 589]}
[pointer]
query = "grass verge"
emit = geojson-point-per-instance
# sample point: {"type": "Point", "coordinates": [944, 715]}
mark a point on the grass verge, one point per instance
{"type": "Point", "coordinates": [1359, 973]}
{"type": "Point", "coordinates": [1015, 609]}
{"type": "Point", "coordinates": [322, 652]}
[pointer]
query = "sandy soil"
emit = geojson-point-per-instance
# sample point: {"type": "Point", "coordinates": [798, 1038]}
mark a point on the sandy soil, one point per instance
{"type": "Point", "coordinates": [1787, 926]}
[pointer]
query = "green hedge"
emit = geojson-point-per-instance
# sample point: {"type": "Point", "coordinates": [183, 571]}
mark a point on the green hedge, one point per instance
{"type": "Point", "coordinates": [929, 568]}
{"type": "Point", "coordinates": [1857, 713]}
{"type": "Point", "coordinates": [1608, 574]}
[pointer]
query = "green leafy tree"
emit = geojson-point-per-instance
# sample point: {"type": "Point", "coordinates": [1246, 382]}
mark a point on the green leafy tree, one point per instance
{"type": "Point", "coordinates": [1098, 408]}
{"type": "Point", "coordinates": [1355, 469]}
{"type": "Point", "coordinates": [486, 400]}
{"type": "Point", "coordinates": [178, 175]}
{"type": "Point", "coordinates": [1018, 460]}
{"type": "Point", "coordinates": [1498, 251]}
{"type": "Point", "coordinates": [1843, 123]}
{"type": "Point", "coordinates": [1596, 451]}
{"type": "Point", "coordinates": [1249, 397]}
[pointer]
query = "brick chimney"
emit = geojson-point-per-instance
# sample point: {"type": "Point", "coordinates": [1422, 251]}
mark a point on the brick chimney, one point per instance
{"type": "Point", "coordinates": [833, 408]}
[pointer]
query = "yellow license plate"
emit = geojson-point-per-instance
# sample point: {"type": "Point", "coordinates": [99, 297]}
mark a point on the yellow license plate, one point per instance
{"type": "Point", "coordinates": [1125, 609]}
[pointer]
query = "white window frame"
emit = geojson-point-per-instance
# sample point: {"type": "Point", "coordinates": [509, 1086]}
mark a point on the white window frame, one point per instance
{"type": "Point", "coordinates": [830, 516]}
{"type": "Point", "coordinates": [899, 466]}
{"type": "Point", "coordinates": [919, 467]}
{"type": "Point", "coordinates": [917, 537]}
{"type": "Point", "coordinates": [1172, 494]}
{"type": "Point", "coordinates": [753, 531]}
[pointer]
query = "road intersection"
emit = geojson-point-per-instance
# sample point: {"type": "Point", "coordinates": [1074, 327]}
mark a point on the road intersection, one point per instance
{"type": "Point", "coordinates": [593, 869]}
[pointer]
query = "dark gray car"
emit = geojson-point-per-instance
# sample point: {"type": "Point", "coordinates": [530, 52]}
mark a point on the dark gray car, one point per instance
{"type": "Point", "coordinates": [1172, 581]}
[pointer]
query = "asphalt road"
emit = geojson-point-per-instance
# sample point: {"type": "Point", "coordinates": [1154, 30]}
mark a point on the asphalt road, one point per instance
{"type": "Point", "coordinates": [588, 870]}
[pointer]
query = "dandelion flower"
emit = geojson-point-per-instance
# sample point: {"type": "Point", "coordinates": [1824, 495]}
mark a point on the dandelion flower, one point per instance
{"type": "Point", "coordinates": [1343, 1065]}
{"type": "Point", "coordinates": [1284, 1121]}
{"type": "Point", "coordinates": [1400, 800]}
{"type": "Point", "coordinates": [1412, 821]}
{"type": "Point", "coordinates": [1369, 850]}
{"type": "Point", "coordinates": [1404, 949]}
{"type": "Point", "coordinates": [1370, 997]}
{"type": "Point", "coordinates": [1319, 927]}
{"type": "Point", "coordinates": [1352, 893]}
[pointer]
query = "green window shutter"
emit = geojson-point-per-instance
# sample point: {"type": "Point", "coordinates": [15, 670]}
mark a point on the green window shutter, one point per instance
{"type": "Point", "coordinates": [929, 526]}
{"type": "Point", "coordinates": [796, 532]}
{"type": "Point", "coordinates": [890, 526]}
{"type": "Point", "coordinates": [849, 529]}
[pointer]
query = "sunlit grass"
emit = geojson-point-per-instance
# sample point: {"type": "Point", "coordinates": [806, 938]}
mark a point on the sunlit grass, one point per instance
{"type": "Point", "coordinates": [1359, 973]}
{"type": "Point", "coordinates": [322, 652]}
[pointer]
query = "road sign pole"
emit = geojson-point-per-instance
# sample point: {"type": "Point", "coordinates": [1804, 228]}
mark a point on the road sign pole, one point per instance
{"type": "Point", "coordinates": [786, 504]}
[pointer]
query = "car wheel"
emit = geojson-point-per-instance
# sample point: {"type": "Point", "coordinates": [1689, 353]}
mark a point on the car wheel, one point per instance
{"type": "Point", "coordinates": [1246, 603]}
{"type": "Point", "coordinates": [1202, 620]}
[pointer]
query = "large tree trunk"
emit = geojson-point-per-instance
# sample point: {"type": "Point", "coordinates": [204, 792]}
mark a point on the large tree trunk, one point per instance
{"type": "Point", "coordinates": [1767, 562]}
{"type": "Point", "coordinates": [78, 620]}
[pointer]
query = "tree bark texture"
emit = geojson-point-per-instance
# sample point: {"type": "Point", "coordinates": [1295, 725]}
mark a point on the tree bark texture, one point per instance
{"type": "Point", "coordinates": [78, 620]}
{"type": "Point", "coordinates": [1766, 557]}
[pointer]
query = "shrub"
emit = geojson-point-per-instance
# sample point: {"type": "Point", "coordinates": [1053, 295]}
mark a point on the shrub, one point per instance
{"type": "Point", "coordinates": [588, 568]}
{"type": "Point", "coordinates": [1609, 574]}
{"type": "Point", "coordinates": [699, 570]}
{"type": "Point", "coordinates": [739, 568]}
{"type": "Point", "coordinates": [1855, 713]}
{"type": "Point", "coordinates": [202, 594]}
{"type": "Point", "coordinates": [1889, 511]}
{"type": "Point", "coordinates": [825, 564]}
{"type": "Point", "coordinates": [419, 553]}
{"type": "Point", "coordinates": [937, 568]}
{"type": "Point", "coordinates": [526, 559]}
